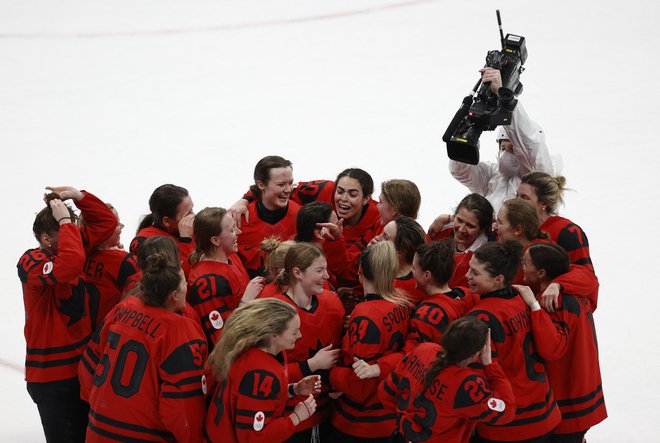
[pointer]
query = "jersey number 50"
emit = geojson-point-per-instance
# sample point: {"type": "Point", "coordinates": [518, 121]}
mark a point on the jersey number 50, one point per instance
{"type": "Point", "coordinates": [138, 356]}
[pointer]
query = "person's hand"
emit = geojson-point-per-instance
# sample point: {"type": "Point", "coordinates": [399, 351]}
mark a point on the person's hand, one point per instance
{"type": "Point", "coordinates": [331, 231]}
{"type": "Point", "coordinates": [364, 370]}
{"type": "Point", "coordinates": [377, 239]}
{"type": "Point", "coordinates": [308, 385]}
{"type": "Point", "coordinates": [253, 289]}
{"type": "Point", "coordinates": [325, 358]}
{"type": "Point", "coordinates": [66, 192]}
{"type": "Point", "coordinates": [492, 76]}
{"type": "Point", "coordinates": [305, 409]}
{"type": "Point", "coordinates": [527, 295]}
{"type": "Point", "coordinates": [550, 297]}
{"type": "Point", "coordinates": [486, 354]}
{"type": "Point", "coordinates": [60, 211]}
{"type": "Point", "coordinates": [186, 226]}
{"type": "Point", "coordinates": [238, 210]}
{"type": "Point", "coordinates": [439, 223]}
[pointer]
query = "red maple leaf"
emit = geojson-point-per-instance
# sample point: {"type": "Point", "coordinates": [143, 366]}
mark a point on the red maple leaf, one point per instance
{"type": "Point", "coordinates": [215, 316]}
{"type": "Point", "coordinates": [259, 417]}
{"type": "Point", "coordinates": [493, 403]}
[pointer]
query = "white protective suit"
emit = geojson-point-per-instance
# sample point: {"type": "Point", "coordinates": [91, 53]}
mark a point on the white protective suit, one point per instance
{"type": "Point", "coordinates": [499, 181]}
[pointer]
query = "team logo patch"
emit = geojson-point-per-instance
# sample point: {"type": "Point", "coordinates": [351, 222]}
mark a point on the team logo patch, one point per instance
{"type": "Point", "coordinates": [48, 268]}
{"type": "Point", "coordinates": [258, 424]}
{"type": "Point", "coordinates": [216, 320]}
{"type": "Point", "coordinates": [496, 404]}
{"type": "Point", "coordinates": [204, 387]}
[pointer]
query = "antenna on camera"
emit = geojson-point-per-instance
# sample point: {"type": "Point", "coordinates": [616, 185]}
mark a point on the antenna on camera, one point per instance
{"type": "Point", "coordinates": [499, 24]}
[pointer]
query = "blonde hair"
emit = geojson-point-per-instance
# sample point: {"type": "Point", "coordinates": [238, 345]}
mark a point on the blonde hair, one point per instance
{"type": "Point", "coordinates": [274, 253]}
{"type": "Point", "coordinates": [250, 325]}
{"type": "Point", "coordinates": [379, 265]}
{"type": "Point", "coordinates": [548, 189]}
{"type": "Point", "coordinates": [298, 255]}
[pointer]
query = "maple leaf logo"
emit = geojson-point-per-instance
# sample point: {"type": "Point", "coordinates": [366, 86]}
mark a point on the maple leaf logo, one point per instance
{"type": "Point", "coordinates": [259, 417]}
{"type": "Point", "coordinates": [493, 403]}
{"type": "Point", "coordinates": [74, 306]}
{"type": "Point", "coordinates": [215, 316]}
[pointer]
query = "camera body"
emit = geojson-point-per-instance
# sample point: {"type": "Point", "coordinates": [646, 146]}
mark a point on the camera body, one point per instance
{"type": "Point", "coordinates": [483, 110]}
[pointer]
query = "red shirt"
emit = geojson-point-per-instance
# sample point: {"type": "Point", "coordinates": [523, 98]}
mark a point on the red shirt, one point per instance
{"type": "Point", "coordinates": [343, 254]}
{"type": "Point", "coordinates": [142, 375]}
{"type": "Point", "coordinates": [377, 327]}
{"type": "Point", "coordinates": [252, 233]}
{"type": "Point", "coordinates": [320, 326]}
{"type": "Point", "coordinates": [214, 290]}
{"type": "Point", "coordinates": [408, 285]}
{"type": "Point", "coordinates": [249, 405]}
{"type": "Point", "coordinates": [186, 245]}
{"type": "Point", "coordinates": [58, 320]}
{"type": "Point", "coordinates": [571, 237]}
{"type": "Point", "coordinates": [449, 409]}
{"type": "Point", "coordinates": [433, 315]}
{"type": "Point", "coordinates": [513, 347]}
{"type": "Point", "coordinates": [107, 272]}
{"type": "Point", "coordinates": [566, 340]}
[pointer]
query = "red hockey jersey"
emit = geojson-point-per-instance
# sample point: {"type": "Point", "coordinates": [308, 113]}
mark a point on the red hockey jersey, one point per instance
{"type": "Point", "coordinates": [571, 237]}
{"type": "Point", "coordinates": [408, 285]}
{"type": "Point", "coordinates": [376, 328]}
{"type": "Point", "coordinates": [58, 323]}
{"type": "Point", "coordinates": [433, 315]}
{"type": "Point", "coordinates": [567, 340]}
{"type": "Point", "coordinates": [107, 272]}
{"type": "Point", "coordinates": [320, 326]}
{"type": "Point", "coordinates": [249, 405]}
{"type": "Point", "coordinates": [513, 347]}
{"type": "Point", "coordinates": [449, 409]}
{"type": "Point", "coordinates": [185, 244]}
{"type": "Point", "coordinates": [143, 373]}
{"type": "Point", "coordinates": [252, 233]}
{"type": "Point", "coordinates": [343, 254]}
{"type": "Point", "coordinates": [214, 291]}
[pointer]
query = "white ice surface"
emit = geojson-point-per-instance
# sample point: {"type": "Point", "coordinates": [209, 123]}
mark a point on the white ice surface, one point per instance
{"type": "Point", "coordinates": [121, 96]}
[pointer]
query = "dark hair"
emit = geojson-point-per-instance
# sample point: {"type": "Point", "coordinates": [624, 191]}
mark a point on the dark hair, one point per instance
{"type": "Point", "coordinates": [479, 206]}
{"type": "Point", "coordinates": [438, 259]}
{"type": "Point", "coordinates": [44, 223]}
{"type": "Point", "coordinates": [308, 216]}
{"type": "Point", "coordinates": [362, 176]}
{"type": "Point", "coordinates": [160, 277]}
{"type": "Point", "coordinates": [163, 202]}
{"type": "Point", "coordinates": [262, 171]}
{"type": "Point", "coordinates": [521, 213]}
{"type": "Point", "coordinates": [157, 244]}
{"type": "Point", "coordinates": [403, 196]}
{"type": "Point", "coordinates": [464, 337]}
{"type": "Point", "coordinates": [501, 258]}
{"type": "Point", "coordinates": [207, 223]}
{"type": "Point", "coordinates": [550, 257]}
{"type": "Point", "coordinates": [409, 236]}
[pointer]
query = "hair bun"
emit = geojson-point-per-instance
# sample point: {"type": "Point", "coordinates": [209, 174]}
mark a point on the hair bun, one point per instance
{"type": "Point", "coordinates": [156, 262]}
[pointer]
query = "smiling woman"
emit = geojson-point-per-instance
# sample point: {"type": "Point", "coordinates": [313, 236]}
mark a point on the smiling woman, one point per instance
{"type": "Point", "coordinates": [272, 214]}
{"type": "Point", "coordinates": [218, 282]}
{"type": "Point", "coordinates": [302, 282]}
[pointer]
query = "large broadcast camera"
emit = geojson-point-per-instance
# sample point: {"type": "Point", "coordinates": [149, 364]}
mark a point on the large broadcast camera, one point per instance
{"type": "Point", "coordinates": [482, 110]}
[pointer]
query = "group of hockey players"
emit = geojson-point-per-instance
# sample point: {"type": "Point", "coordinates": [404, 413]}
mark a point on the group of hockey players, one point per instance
{"type": "Point", "coordinates": [310, 312]}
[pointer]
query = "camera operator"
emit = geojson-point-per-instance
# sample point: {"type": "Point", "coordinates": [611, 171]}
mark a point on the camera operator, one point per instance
{"type": "Point", "coordinates": [522, 149]}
